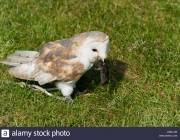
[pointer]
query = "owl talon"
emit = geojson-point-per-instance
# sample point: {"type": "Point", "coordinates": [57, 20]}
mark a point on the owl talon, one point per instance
{"type": "Point", "coordinates": [68, 99]}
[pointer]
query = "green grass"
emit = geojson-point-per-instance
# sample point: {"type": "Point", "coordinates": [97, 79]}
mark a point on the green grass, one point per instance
{"type": "Point", "coordinates": [144, 62]}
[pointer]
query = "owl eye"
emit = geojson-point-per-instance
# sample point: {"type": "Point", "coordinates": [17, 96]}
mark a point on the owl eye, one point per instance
{"type": "Point", "coordinates": [94, 50]}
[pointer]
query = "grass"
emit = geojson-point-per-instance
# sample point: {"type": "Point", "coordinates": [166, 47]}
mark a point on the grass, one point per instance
{"type": "Point", "coordinates": [144, 62]}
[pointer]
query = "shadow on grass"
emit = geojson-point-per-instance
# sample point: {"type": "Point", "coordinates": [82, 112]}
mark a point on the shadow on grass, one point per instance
{"type": "Point", "coordinates": [117, 72]}
{"type": "Point", "coordinates": [91, 79]}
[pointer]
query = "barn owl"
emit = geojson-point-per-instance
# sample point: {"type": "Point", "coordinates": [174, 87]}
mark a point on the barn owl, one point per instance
{"type": "Point", "coordinates": [62, 62]}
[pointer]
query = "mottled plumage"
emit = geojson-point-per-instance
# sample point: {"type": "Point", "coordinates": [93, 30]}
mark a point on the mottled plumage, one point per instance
{"type": "Point", "coordinates": [62, 62]}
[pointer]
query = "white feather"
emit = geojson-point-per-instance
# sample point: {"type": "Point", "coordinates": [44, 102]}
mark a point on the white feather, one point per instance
{"type": "Point", "coordinates": [66, 87]}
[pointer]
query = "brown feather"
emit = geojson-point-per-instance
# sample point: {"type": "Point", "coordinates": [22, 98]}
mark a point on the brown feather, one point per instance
{"type": "Point", "coordinates": [59, 61]}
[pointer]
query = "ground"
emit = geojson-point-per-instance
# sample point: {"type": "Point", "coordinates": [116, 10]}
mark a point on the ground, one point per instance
{"type": "Point", "coordinates": [144, 62]}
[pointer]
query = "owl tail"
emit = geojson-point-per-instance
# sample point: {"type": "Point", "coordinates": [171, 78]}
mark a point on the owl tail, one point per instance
{"type": "Point", "coordinates": [20, 62]}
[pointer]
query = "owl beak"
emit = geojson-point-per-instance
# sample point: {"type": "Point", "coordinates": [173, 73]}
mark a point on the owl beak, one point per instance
{"type": "Point", "coordinates": [100, 58]}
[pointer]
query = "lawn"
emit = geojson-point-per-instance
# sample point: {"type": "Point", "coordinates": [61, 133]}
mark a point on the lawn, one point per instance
{"type": "Point", "coordinates": [144, 62]}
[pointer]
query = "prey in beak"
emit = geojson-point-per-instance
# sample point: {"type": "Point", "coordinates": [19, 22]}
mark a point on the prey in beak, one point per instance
{"type": "Point", "coordinates": [104, 73]}
{"type": "Point", "coordinates": [100, 59]}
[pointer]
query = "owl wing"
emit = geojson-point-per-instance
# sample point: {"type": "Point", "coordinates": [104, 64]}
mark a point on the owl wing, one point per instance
{"type": "Point", "coordinates": [56, 63]}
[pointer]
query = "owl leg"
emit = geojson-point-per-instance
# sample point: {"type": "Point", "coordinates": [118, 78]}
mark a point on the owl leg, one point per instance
{"type": "Point", "coordinates": [52, 89]}
{"type": "Point", "coordinates": [66, 89]}
{"type": "Point", "coordinates": [66, 99]}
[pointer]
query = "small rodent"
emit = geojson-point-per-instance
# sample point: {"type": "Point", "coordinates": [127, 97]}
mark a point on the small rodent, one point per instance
{"type": "Point", "coordinates": [104, 73]}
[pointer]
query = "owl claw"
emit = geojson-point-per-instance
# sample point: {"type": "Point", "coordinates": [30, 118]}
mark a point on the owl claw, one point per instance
{"type": "Point", "coordinates": [68, 99]}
